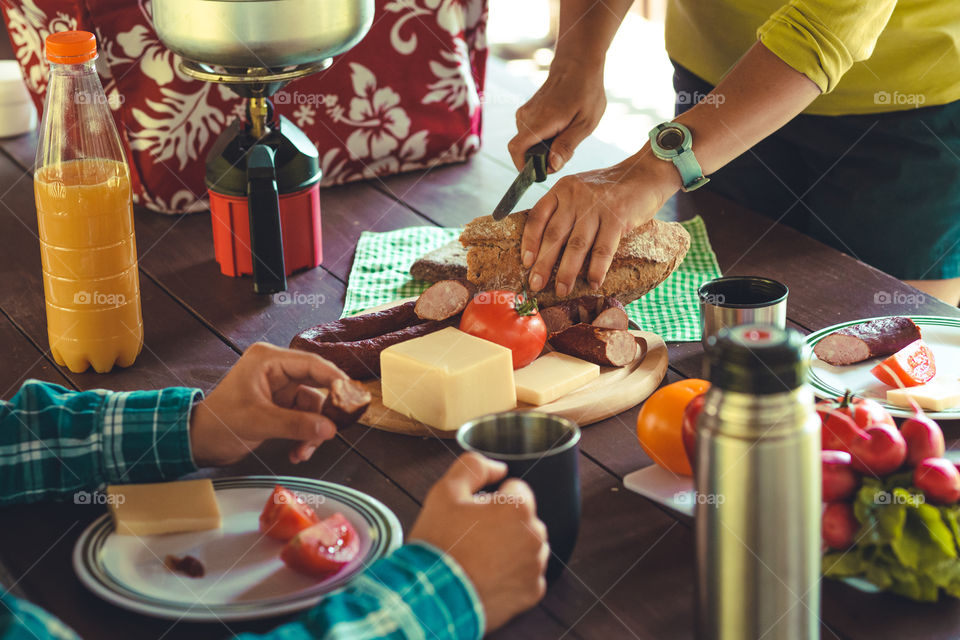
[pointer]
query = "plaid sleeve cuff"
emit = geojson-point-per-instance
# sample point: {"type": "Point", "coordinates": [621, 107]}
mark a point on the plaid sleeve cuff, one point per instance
{"type": "Point", "coordinates": [415, 592]}
{"type": "Point", "coordinates": [146, 435]}
{"type": "Point", "coordinates": [436, 589]}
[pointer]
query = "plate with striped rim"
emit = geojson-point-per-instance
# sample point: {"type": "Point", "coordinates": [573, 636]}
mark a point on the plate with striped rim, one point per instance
{"type": "Point", "coordinates": [941, 334]}
{"type": "Point", "coordinates": [244, 577]}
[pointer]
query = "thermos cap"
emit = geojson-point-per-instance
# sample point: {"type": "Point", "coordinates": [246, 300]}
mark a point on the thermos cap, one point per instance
{"type": "Point", "coordinates": [757, 359]}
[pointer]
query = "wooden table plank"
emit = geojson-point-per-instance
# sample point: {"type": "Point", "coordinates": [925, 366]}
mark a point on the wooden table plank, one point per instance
{"type": "Point", "coordinates": [21, 360]}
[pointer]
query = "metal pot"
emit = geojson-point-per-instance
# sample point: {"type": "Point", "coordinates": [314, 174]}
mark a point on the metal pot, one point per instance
{"type": "Point", "coordinates": [261, 33]}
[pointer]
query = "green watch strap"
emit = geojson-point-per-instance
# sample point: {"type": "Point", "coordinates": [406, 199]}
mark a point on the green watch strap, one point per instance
{"type": "Point", "coordinates": [690, 172]}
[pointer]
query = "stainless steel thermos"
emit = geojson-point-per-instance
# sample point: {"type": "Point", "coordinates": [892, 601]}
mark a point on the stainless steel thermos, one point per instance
{"type": "Point", "coordinates": [758, 498]}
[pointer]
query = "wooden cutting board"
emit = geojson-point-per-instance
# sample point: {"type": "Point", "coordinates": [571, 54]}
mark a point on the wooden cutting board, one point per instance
{"type": "Point", "coordinates": [616, 390]}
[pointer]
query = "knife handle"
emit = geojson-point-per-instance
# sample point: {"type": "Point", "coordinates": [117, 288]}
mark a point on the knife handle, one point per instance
{"type": "Point", "coordinates": [539, 153]}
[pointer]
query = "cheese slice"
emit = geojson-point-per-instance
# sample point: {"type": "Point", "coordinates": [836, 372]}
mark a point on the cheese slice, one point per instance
{"type": "Point", "coordinates": [166, 507]}
{"type": "Point", "coordinates": [446, 378]}
{"type": "Point", "coordinates": [551, 376]}
{"type": "Point", "coordinates": [933, 396]}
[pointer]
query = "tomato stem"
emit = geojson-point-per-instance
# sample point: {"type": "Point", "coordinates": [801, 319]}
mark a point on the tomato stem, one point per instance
{"type": "Point", "coordinates": [525, 305]}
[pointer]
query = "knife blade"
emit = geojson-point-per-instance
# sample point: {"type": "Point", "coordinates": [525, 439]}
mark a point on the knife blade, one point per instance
{"type": "Point", "coordinates": [534, 170]}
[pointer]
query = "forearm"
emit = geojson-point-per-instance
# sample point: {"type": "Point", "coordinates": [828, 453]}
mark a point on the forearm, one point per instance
{"type": "Point", "coordinates": [759, 95]}
{"type": "Point", "coordinates": [55, 442]}
{"type": "Point", "coordinates": [415, 592]}
{"type": "Point", "coordinates": [587, 28]}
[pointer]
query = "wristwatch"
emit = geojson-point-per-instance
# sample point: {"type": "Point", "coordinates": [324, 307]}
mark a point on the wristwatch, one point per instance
{"type": "Point", "coordinates": [673, 141]}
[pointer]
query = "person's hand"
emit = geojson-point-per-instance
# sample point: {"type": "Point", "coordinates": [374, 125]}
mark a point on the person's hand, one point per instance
{"type": "Point", "coordinates": [588, 213]}
{"type": "Point", "coordinates": [270, 392]}
{"type": "Point", "coordinates": [568, 106]}
{"type": "Point", "coordinates": [498, 541]}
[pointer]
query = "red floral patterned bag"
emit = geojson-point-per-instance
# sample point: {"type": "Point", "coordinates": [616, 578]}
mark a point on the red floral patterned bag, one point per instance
{"type": "Point", "coordinates": [407, 97]}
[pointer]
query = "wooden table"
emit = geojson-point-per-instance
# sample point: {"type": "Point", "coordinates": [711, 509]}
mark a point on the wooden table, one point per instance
{"type": "Point", "coordinates": [632, 573]}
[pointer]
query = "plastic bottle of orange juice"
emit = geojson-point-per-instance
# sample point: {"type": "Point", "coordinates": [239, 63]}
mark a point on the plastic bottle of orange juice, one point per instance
{"type": "Point", "coordinates": [85, 216]}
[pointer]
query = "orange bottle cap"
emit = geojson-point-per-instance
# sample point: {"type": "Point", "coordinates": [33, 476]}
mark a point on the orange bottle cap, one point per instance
{"type": "Point", "coordinates": [71, 47]}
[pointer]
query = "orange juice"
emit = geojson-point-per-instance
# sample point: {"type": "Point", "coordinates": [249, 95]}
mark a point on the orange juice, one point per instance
{"type": "Point", "coordinates": [89, 257]}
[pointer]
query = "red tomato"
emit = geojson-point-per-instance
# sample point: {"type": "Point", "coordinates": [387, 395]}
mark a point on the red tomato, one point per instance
{"type": "Point", "coordinates": [285, 515]}
{"type": "Point", "coordinates": [689, 427]}
{"type": "Point", "coordinates": [660, 424]}
{"type": "Point", "coordinates": [835, 432]}
{"type": "Point", "coordinates": [908, 367]}
{"type": "Point", "coordinates": [323, 549]}
{"type": "Point", "coordinates": [509, 320]}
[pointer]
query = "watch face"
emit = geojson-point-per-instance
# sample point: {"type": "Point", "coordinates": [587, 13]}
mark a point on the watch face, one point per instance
{"type": "Point", "coordinates": [670, 139]}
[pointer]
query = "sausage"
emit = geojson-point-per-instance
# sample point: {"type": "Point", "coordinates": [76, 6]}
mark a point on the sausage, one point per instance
{"type": "Point", "coordinates": [586, 309]}
{"type": "Point", "coordinates": [612, 315]}
{"type": "Point", "coordinates": [367, 325]}
{"type": "Point", "coordinates": [346, 402]}
{"type": "Point", "coordinates": [872, 339]}
{"type": "Point", "coordinates": [606, 347]}
{"type": "Point", "coordinates": [360, 359]}
{"type": "Point", "coordinates": [444, 299]}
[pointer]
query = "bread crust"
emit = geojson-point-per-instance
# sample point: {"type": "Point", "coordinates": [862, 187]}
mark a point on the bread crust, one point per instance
{"type": "Point", "coordinates": [644, 259]}
{"type": "Point", "coordinates": [448, 262]}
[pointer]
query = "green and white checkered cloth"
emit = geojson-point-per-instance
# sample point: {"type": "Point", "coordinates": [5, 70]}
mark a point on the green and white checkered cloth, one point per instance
{"type": "Point", "coordinates": [381, 274]}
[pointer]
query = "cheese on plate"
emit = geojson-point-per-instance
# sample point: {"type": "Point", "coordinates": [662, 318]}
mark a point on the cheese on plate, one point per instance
{"type": "Point", "coordinates": [446, 378]}
{"type": "Point", "coordinates": [551, 376]}
{"type": "Point", "coordinates": [933, 396]}
{"type": "Point", "coordinates": [165, 507]}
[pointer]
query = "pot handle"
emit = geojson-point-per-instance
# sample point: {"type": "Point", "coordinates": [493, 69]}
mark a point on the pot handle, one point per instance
{"type": "Point", "coordinates": [266, 238]}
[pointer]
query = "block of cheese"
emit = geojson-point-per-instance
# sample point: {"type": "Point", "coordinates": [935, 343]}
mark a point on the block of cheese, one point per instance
{"type": "Point", "coordinates": [933, 396]}
{"type": "Point", "coordinates": [164, 507]}
{"type": "Point", "coordinates": [447, 377]}
{"type": "Point", "coordinates": [551, 376]}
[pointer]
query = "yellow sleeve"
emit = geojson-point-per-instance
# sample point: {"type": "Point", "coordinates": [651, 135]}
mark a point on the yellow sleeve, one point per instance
{"type": "Point", "coordinates": [823, 38]}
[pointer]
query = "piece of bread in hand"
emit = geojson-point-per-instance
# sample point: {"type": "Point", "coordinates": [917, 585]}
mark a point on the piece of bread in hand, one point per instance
{"type": "Point", "coordinates": [644, 259]}
{"type": "Point", "coordinates": [448, 262]}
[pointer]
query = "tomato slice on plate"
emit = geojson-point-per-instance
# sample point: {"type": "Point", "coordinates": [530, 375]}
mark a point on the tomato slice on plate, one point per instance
{"type": "Point", "coordinates": [285, 515]}
{"type": "Point", "coordinates": [911, 366]}
{"type": "Point", "coordinates": [323, 549]}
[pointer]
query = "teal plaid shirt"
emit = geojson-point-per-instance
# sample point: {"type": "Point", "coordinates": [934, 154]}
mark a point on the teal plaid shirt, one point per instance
{"type": "Point", "coordinates": [55, 442]}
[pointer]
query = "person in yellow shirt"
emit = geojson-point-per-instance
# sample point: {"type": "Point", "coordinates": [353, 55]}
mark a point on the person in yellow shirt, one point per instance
{"type": "Point", "coordinates": [840, 118]}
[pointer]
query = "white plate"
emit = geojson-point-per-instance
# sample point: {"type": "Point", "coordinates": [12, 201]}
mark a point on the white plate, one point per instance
{"type": "Point", "coordinates": [245, 578]}
{"type": "Point", "coordinates": [942, 335]}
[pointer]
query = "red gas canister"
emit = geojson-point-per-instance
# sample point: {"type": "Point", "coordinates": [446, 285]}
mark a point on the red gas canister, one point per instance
{"type": "Point", "coordinates": [265, 203]}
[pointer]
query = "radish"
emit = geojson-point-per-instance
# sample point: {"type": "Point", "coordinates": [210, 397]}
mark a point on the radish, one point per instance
{"type": "Point", "coordinates": [839, 526]}
{"type": "Point", "coordinates": [923, 436]}
{"type": "Point", "coordinates": [839, 478]}
{"type": "Point", "coordinates": [938, 479]}
{"type": "Point", "coordinates": [881, 450]}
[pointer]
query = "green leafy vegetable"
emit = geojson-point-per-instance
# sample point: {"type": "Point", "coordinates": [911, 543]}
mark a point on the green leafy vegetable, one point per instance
{"type": "Point", "coordinates": [904, 545]}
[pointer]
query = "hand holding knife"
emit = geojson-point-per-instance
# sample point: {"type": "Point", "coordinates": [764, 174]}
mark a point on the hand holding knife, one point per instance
{"type": "Point", "coordinates": [534, 170]}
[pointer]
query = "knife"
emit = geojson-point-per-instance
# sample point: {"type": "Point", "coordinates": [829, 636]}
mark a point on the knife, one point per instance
{"type": "Point", "coordinates": [534, 170]}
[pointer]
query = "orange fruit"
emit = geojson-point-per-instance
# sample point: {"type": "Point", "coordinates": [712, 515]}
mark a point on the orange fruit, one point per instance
{"type": "Point", "coordinates": [660, 421]}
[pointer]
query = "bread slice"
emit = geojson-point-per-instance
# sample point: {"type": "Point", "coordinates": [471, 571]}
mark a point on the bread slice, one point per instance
{"type": "Point", "coordinates": [448, 262]}
{"type": "Point", "coordinates": [644, 259]}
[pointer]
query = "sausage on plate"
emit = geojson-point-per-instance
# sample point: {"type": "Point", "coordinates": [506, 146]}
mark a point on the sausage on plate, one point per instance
{"type": "Point", "coordinates": [872, 339]}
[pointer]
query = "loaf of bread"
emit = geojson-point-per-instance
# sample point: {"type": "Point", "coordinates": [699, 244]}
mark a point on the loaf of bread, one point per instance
{"type": "Point", "coordinates": [448, 262]}
{"type": "Point", "coordinates": [644, 259]}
